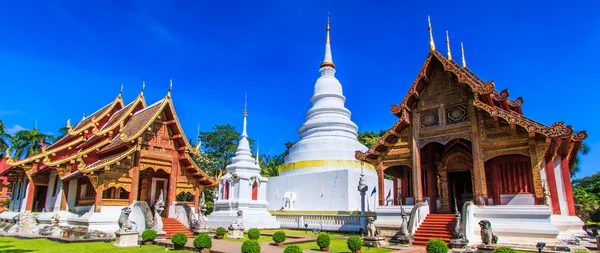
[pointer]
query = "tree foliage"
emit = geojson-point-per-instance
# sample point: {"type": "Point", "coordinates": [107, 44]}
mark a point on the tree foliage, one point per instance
{"type": "Point", "coordinates": [269, 165]}
{"type": "Point", "coordinates": [576, 168]}
{"type": "Point", "coordinates": [586, 194]}
{"type": "Point", "coordinates": [369, 138]}
{"type": "Point", "coordinates": [26, 142]}
{"type": "Point", "coordinates": [4, 139]}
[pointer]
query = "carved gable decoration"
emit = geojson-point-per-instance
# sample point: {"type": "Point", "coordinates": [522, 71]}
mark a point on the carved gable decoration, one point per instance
{"type": "Point", "coordinates": [430, 118]}
{"type": "Point", "coordinates": [456, 114]}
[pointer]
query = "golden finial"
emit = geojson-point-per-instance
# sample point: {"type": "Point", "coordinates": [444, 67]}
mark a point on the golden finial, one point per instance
{"type": "Point", "coordinates": [143, 86]}
{"type": "Point", "coordinates": [431, 44]}
{"type": "Point", "coordinates": [448, 45]}
{"type": "Point", "coordinates": [245, 105]}
{"type": "Point", "coordinates": [462, 52]}
{"type": "Point", "coordinates": [84, 114]}
{"type": "Point", "coordinates": [121, 91]}
{"type": "Point", "coordinates": [199, 140]}
{"type": "Point", "coordinates": [7, 155]}
{"type": "Point", "coordinates": [170, 87]}
{"type": "Point", "coordinates": [327, 40]}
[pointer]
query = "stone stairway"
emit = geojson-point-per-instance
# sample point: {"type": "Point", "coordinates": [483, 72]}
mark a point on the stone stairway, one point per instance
{"type": "Point", "coordinates": [172, 226]}
{"type": "Point", "coordinates": [435, 226]}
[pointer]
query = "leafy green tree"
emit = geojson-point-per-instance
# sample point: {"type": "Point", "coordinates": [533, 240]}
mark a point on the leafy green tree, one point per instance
{"type": "Point", "coordinates": [576, 168]}
{"type": "Point", "coordinates": [288, 145]}
{"type": "Point", "coordinates": [369, 138]}
{"type": "Point", "coordinates": [4, 139]}
{"type": "Point", "coordinates": [586, 194]}
{"type": "Point", "coordinates": [26, 142]}
{"type": "Point", "coordinates": [269, 165]}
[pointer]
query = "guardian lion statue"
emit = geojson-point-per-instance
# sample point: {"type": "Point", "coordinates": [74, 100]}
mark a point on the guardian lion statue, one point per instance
{"type": "Point", "coordinates": [487, 236]}
{"type": "Point", "coordinates": [371, 229]}
{"type": "Point", "coordinates": [125, 225]}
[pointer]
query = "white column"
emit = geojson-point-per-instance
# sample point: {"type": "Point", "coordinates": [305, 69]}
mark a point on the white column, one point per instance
{"type": "Point", "coordinates": [25, 188]}
{"type": "Point", "coordinates": [560, 188]}
{"type": "Point", "coordinates": [72, 198]}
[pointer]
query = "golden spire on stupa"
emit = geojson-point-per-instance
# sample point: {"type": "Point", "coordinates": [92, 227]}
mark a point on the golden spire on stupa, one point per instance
{"type": "Point", "coordinates": [431, 43]}
{"type": "Point", "coordinates": [328, 60]}
{"type": "Point", "coordinates": [462, 52]}
{"type": "Point", "coordinates": [448, 45]}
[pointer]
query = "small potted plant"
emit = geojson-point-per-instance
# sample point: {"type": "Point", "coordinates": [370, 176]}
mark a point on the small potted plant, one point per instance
{"type": "Point", "coordinates": [179, 240]}
{"type": "Point", "coordinates": [355, 244]}
{"type": "Point", "coordinates": [253, 234]}
{"type": "Point", "coordinates": [279, 238]}
{"type": "Point", "coordinates": [148, 236]}
{"type": "Point", "coordinates": [436, 246]}
{"type": "Point", "coordinates": [323, 241]}
{"type": "Point", "coordinates": [220, 232]}
{"type": "Point", "coordinates": [203, 243]}
{"type": "Point", "coordinates": [292, 249]}
{"type": "Point", "coordinates": [250, 246]}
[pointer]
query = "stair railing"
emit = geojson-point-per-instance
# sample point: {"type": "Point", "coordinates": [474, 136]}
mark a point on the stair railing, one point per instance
{"type": "Point", "coordinates": [417, 216]}
{"type": "Point", "coordinates": [467, 220]}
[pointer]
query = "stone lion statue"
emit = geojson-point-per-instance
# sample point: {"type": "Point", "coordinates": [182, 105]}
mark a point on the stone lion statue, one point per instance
{"type": "Point", "coordinates": [238, 223]}
{"type": "Point", "coordinates": [371, 229]}
{"type": "Point", "coordinates": [125, 225]}
{"type": "Point", "coordinates": [487, 236]}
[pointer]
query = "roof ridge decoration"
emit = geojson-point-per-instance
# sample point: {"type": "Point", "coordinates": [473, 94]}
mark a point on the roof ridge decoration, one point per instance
{"type": "Point", "coordinates": [106, 128]}
{"type": "Point", "coordinates": [431, 43]}
{"type": "Point", "coordinates": [462, 52]}
{"type": "Point", "coordinates": [79, 152]}
{"type": "Point", "coordinates": [449, 54]}
{"type": "Point", "coordinates": [214, 181]}
{"type": "Point", "coordinates": [105, 111]}
{"type": "Point", "coordinates": [103, 163]}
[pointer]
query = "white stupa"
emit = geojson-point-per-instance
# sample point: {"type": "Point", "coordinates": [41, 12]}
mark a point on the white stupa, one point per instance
{"type": "Point", "coordinates": [243, 188]}
{"type": "Point", "coordinates": [320, 173]}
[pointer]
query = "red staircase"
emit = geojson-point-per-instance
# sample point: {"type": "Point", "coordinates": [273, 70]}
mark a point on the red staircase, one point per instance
{"type": "Point", "coordinates": [435, 226]}
{"type": "Point", "coordinates": [172, 226]}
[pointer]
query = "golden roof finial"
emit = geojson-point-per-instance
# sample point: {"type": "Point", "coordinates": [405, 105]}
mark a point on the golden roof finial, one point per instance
{"type": "Point", "coordinates": [7, 155]}
{"type": "Point", "coordinates": [448, 45]}
{"type": "Point", "coordinates": [245, 105]}
{"type": "Point", "coordinates": [462, 52]}
{"type": "Point", "coordinates": [170, 87]}
{"type": "Point", "coordinates": [143, 86]}
{"type": "Point", "coordinates": [121, 91]}
{"type": "Point", "coordinates": [431, 43]}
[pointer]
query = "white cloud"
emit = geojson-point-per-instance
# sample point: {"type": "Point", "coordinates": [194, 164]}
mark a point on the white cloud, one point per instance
{"type": "Point", "coordinates": [14, 129]}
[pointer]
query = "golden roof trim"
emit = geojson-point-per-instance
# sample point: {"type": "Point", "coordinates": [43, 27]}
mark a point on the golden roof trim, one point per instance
{"type": "Point", "coordinates": [101, 164]}
{"type": "Point", "coordinates": [79, 153]}
{"type": "Point", "coordinates": [202, 172]}
{"type": "Point", "coordinates": [95, 120]}
{"type": "Point", "coordinates": [107, 129]}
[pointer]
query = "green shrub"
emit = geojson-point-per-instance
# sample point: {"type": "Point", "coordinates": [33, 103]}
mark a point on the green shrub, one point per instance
{"type": "Point", "coordinates": [148, 235]}
{"type": "Point", "coordinates": [292, 249]}
{"type": "Point", "coordinates": [221, 231]}
{"type": "Point", "coordinates": [179, 239]}
{"type": "Point", "coordinates": [323, 240]}
{"type": "Point", "coordinates": [504, 250]}
{"type": "Point", "coordinates": [437, 246]}
{"type": "Point", "coordinates": [279, 236]}
{"type": "Point", "coordinates": [202, 241]}
{"type": "Point", "coordinates": [250, 246]}
{"type": "Point", "coordinates": [253, 234]}
{"type": "Point", "coordinates": [355, 243]}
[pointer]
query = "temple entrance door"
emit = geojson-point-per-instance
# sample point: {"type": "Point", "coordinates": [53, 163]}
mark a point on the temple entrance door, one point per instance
{"type": "Point", "coordinates": [461, 188]}
{"type": "Point", "coordinates": [158, 184]}
{"type": "Point", "coordinates": [39, 199]}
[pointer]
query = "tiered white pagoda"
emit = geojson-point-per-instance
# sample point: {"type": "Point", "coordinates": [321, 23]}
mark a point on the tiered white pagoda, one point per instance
{"type": "Point", "coordinates": [321, 173]}
{"type": "Point", "coordinates": [242, 188]}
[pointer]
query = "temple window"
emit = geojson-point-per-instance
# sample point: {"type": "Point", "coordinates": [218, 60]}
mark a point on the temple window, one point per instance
{"type": "Point", "coordinates": [86, 192]}
{"type": "Point", "coordinates": [115, 193]}
{"type": "Point", "coordinates": [54, 187]}
{"type": "Point", "coordinates": [255, 191]}
{"type": "Point", "coordinates": [226, 190]}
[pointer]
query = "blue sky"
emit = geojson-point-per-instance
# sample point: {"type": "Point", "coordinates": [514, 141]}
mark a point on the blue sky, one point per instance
{"type": "Point", "coordinates": [61, 58]}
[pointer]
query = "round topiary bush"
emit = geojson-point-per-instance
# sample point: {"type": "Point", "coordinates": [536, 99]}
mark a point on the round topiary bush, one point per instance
{"type": "Point", "coordinates": [355, 243]}
{"type": "Point", "coordinates": [504, 250]}
{"type": "Point", "coordinates": [250, 246]}
{"type": "Point", "coordinates": [179, 240]}
{"type": "Point", "coordinates": [437, 246]}
{"type": "Point", "coordinates": [220, 232]}
{"type": "Point", "coordinates": [323, 241]}
{"type": "Point", "coordinates": [202, 241]}
{"type": "Point", "coordinates": [148, 235]}
{"type": "Point", "coordinates": [292, 249]}
{"type": "Point", "coordinates": [253, 234]}
{"type": "Point", "coordinates": [279, 237]}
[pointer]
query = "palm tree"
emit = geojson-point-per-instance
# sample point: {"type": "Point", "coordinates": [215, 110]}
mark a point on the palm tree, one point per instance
{"type": "Point", "coordinates": [269, 165]}
{"type": "Point", "coordinates": [26, 143]}
{"type": "Point", "coordinates": [4, 139]}
{"type": "Point", "coordinates": [583, 150]}
{"type": "Point", "coordinates": [62, 132]}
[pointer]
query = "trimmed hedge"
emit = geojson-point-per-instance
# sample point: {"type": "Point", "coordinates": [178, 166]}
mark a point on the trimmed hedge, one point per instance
{"type": "Point", "coordinates": [355, 243]}
{"type": "Point", "coordinates": [179, 239]}
{"type": "Point", "coordinates": [437, 246]}
{"type": "Point", "coordinates": [279, 236]}
{"type": "Point", "coordinates": [323, 240]}
{"type": "Point", "coordinates": [250, 246]}
{"type": "Point", "coordinates": [202, 241]}
{"type": "Point", "coordinates": [292, 249]}
{"type": "Point", "coordinates": [504, 250]}
{"type": "Point", "coordinates": [253, 234]}
{"type": "Point", "coordinates": [221, 231]}
{"type": "Point", "coordinates": [148, 235]}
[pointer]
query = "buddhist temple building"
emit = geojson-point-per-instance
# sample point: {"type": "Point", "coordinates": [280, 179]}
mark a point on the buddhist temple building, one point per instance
{"type": "Point", "coordinates": [459, 139]}
{"type": "Point", "coordinates": [118, 155]}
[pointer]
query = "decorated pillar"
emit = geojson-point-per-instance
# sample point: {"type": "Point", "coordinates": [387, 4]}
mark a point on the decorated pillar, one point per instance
{"type": "Point", "coordinates": [134, 173]}
{"type": "Point", "coordinates": [416, 158]}
{"type": "Point", "coordinates": [566, 175]}
{"type": "Point", "coordinates": [196, 198]}
{"type": "Point", "coordinates": [173, 178]}
{"type": "Point", "coordinates": [536, 162]}
{"type": "Point", "coordinates": [65, 192]}
{"type": "Point", "coordinates": [98, 201]}
{"type": "Point", "coordinates": [380, 183]}
{"type": "Point", "coordinates": [551, 185]}
{"type": "Point", "coordinates": [479, 181]}
{"type": "Point", "coordinates": [395, 190]}
{"type": "Point", "coordinates": [444, 193]}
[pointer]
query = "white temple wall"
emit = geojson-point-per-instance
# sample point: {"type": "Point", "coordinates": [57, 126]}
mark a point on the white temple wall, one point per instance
{"type": "Point", "coordinates": [53, 202]}
{"type": "Point", "coordinates": [560, 186]}
{"type": "Point", "coordinates": [19, 194]}
{"type": "Point", "coordinates": [72, 197]}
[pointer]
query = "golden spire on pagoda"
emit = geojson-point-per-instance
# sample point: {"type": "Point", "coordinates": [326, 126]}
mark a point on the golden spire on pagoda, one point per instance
{"type": "Point", "coordinates": [327, 41]}
{"type": "Point", "coordinates": [448, 45]}
{"type": "Point", "coordinates": [170, 87]}
{"type": "Point", "coordinates": [431, 43]}
{"type": "Point", "coordinates": [328, 59]}
{"type": "Point", "coordinates": [121, 91]}
{"type": "Point", "coordinates": [246, 105]}
{"type": "Point", "coordinates": [462, 52]}
{"type": "Point", "coordinates": [143, 87]}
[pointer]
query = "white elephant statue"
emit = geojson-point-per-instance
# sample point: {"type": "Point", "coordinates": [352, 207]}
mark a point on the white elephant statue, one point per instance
{"type": "Point", "coordinates": [289, 198]}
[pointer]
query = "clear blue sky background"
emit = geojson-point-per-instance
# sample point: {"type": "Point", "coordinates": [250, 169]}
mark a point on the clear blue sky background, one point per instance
{"type": "Point", "coordinates": [59, 58]}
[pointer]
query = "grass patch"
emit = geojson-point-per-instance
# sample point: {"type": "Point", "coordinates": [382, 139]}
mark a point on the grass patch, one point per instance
{"type": "Point", "coordinates": [12, 245]}
{"type": "Point", "coordinates": [262, 238]}
{"type": "Point", "coordinates": [303, 233]}
{"type": "Point", "coordinates": [339, 246]}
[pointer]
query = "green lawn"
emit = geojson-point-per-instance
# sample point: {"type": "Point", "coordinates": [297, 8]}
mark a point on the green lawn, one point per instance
{"type": "Point", "coordinates": [11, 245]}
{"type": "Point", "coordinates": [339, 246]}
